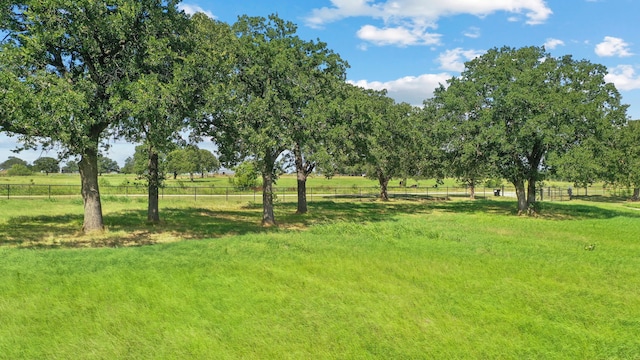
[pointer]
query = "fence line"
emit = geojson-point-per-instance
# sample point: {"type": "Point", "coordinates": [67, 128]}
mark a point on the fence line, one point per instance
{"type": "Point", "coordinates": [283, 193]}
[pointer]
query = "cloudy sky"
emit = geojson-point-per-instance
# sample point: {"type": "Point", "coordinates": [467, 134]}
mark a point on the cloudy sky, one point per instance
{"type": "Point", "coordinates": [409, 46]}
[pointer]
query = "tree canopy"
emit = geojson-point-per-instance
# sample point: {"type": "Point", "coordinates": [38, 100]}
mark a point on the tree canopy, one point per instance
{"type": "Point", "coordinates": [75, 73]}
{"type": "Point", "coordinates": [46, 164]}
{"type": "Point", "coordinates": [276, 76]}
{"type": "Point", "coordinates": [61, 64]}
{"type": "Point", "coordinates": [525, 105]}
{"type": "Point", "coordinates": [12, 160]}
{"type": "Point", "coordinates": [191, 160]}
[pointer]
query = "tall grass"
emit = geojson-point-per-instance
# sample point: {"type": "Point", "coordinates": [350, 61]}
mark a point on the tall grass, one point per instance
{"type": "Point", "coordinates": [360, 280]}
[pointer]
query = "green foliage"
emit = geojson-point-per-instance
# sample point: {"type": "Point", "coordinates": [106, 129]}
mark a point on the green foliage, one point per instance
{"type": "Point", "coordinates": [517, 111]}
{"type": "Point", "coordinates": [104, 182]}
{"type": "Point", "coordinates": [139, 163]}
{"type": "Point", "coordinates": [106, 165]}
{"type": "Point", "coordinates": [73, 67]}
{"type": "Point", "coordinates": [246, 175]}
{"type": "Point", "coordinates": [70, 166]}
{"type": "Point", "coordinates": [624, 160]}
{"type": "Point", "coordinates": [19, 170]}
{"type": "Point", "coordinates": [46, 164]}
{"type": "Point", "coordinates": [128, 167]}
{"type": "Point", "coordinates": [12, 160]}
{"type": "Point", "coordinates": [206, 161]}
{"type": "Point", "coordinates": [380, 138]}
{"type": "Point", "coordinates": [276, 76]}
{"type": "Point", "coordinates": [493, 183]}
{"type": "Point", "coordinates": [191, 160]}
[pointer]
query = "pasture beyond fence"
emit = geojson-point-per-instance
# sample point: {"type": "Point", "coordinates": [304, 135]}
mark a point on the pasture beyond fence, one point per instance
{"type": "Point", "coordinates": [9, 191]}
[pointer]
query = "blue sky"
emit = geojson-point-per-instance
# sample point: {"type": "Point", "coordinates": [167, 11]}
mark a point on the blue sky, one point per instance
{"type": "Point", "coordinates": [409, 46]}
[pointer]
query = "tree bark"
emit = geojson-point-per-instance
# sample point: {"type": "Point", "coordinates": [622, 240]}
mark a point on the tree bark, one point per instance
{"type": "Point", "coordinates": [88, 167]}
{"type": "Point", "coordinates": [153, 212]}
{"type": "Point", "coordinates": [472, 190]}
{"type": "Point", "coordinates": [384, 184]}
{"type": "Point", "coordinates": [268, 217]}
{"type": "Point", "coordinates": [636, 194]}
{"type": "Point", "coordinates": [531, 191]}
{"type": "Point", "coordinates": [302, 194]}
{"type": "Point", "coordinates": [303, 169]}
{"type": "Point", "coordinates": [534, 163]}
{"type": "Point", "coordinates": [521, 194]}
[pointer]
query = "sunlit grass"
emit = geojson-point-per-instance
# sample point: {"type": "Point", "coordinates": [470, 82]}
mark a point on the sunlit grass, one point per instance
{"type": "Point", "coordinates": [404, 279]}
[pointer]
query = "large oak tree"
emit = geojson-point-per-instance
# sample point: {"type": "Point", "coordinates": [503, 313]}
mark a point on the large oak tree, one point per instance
{"type": "Point", "coordinates": [61, 64]}
{"type": "Point", "coordinates": [276, 78]}
{"type": "Point", "coordinates": [185, 64]}
{"type": "Point", "coordinates": [524, 105]}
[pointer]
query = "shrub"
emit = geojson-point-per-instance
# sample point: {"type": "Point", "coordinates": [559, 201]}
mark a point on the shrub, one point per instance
{"type": "Point", "coordinates": [104, 182]}
{"type": "Point", "coordinates": [246, 176]}
{"type": "Point", "coordinates": [19, 170]}
{"type": "Point", "coordinates": [493, 183]}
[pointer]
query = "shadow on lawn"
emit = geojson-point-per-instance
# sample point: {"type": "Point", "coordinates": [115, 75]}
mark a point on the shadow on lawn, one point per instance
{"type": "Point", "coordinates": [546, 210]}
{"type": "Point", "coordinates": [130, 228]}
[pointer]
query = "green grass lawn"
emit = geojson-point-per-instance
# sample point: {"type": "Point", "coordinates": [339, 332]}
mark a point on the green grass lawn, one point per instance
{"type": "Point", "coordinates": [397, 280]}
{"type": "Point", "coordinates": [215, 180]}
{"type": "Point", "coordinates": [218, 180]}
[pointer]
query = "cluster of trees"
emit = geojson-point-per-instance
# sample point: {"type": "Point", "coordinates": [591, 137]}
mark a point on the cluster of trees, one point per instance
{"type": "Point", "coordinates": [73, 74]}
{"type": "Point", "coordinates": [45, 164]}
{"type": "Point", "coordinates": [189, 160]}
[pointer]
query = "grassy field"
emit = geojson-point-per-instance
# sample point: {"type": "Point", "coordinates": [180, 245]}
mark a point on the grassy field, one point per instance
{"type": "Point", "coordinates": [218, 180]}
{"type": "Point", "coordinates": [363, 280]}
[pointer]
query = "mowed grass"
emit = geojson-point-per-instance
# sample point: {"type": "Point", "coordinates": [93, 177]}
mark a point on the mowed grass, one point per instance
{"type": "Point", "coordinates": [361, 280]}
{"type": "Point", "coordinates": [217, 180]}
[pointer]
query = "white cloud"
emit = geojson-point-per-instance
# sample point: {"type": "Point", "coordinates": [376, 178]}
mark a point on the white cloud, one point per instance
{"type": "Point", "coordinates": [399, 36]}
{"type": "Point", "coordinates": [613, 46]}
{"type": "Point", "coordinates": [624, 77]}
{"type": "Point", "coordinates": [453, 60]}
{"type": "Point", "coordinates": [551, 43]}
{"type": "Point", "coordinates": [536, 11]}
{"type": "Point", "coordinates": [472, 32]}
{"type": "Point", "coordinates": [413, 17]}
{"type": "Point", "coordinates": [191, 9]}
{"type": "Point", "coordinates": [410, 89]}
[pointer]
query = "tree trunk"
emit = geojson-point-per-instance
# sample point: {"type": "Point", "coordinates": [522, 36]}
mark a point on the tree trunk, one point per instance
{"type": "Point", "coordinates": [472, 190]}
{"type": "Point", "coordinates": [302, 171]}
{"type": "Point", "coordinates": [153, 214]}
{"type": "Point", "coordinates": [268, 217]}
{"type": "Point", "coordinates": [636, 194]}
{"type": "Point", "coordinates": [302, 194]}
{"type": "Point", "coordinates": [384, 184]}
{"type": "Point", "coordinates": [531, 191]}
{"type": "Point", "coordinates": [88, 167]}
{"type": "Point", "coordinates": [523, 206]}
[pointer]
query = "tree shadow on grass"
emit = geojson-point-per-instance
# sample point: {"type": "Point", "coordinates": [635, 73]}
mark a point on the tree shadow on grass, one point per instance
{"type": "Point", "coordinates": [602, 199]}
{"type": "Point", "coordinates": [127, 228]}
{"type": "Point", "coordinates": [130, 227]}
{"type": "Point", "coordinates": [365, 210]}
{"type": "Point", "coordinates": [546, 210]}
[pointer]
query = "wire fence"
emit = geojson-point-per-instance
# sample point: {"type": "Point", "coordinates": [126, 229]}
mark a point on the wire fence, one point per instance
{"type": "Point", "coordinates": [15, 191]}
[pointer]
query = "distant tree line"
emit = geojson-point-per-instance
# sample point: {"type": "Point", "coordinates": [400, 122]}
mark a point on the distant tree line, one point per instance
{"type": "Point", "coordinates": [74, 74]}
{"type": "Point", "coordinates": [15, 166]}
{"type": "Point", "coordinates": [189, 160]}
